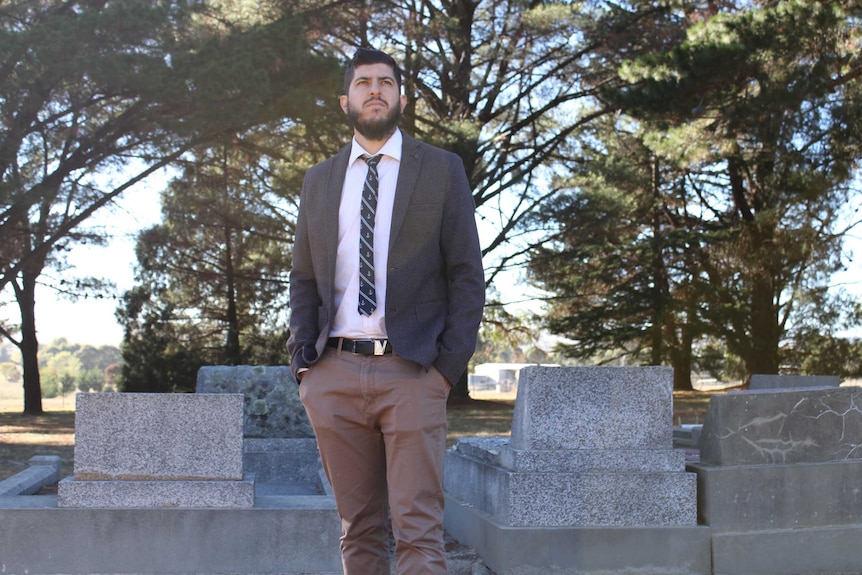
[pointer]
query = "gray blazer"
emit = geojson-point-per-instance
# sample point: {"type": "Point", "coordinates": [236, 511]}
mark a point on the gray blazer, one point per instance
{"type": "Point", "coordinates": [435, 284]}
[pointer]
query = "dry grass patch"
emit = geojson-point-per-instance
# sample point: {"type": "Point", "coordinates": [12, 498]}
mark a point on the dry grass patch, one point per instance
{"type": "Point", "coordinates": [470, 417]}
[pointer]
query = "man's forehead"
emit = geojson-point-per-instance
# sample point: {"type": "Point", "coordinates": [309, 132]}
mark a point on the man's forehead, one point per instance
{"type": "Point", "coordinates": [376, 70]}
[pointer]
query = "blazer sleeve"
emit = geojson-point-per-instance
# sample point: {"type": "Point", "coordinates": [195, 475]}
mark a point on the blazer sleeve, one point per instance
{"type": "Point", "coordinates": [464, 273]}
{"type": "Point", "coordinates": [305, 302]}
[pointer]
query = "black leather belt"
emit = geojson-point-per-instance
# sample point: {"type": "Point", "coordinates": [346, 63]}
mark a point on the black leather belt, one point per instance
{"type": "Point", "coordinates": [361, 346]}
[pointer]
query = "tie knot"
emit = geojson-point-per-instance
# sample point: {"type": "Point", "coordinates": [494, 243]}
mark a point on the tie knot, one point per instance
{"type": "Point", "coordinates": [372, 161]}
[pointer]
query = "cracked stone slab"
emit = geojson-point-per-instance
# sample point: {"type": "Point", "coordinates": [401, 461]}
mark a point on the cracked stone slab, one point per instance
{"type": "Point", "coordinates": [783, 427]}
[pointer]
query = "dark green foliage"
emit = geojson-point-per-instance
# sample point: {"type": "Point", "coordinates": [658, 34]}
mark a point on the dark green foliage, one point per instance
{"type": "Point", "coordinates": [751, 126]}
{"type": "Point", "coordinates": [212, 276]}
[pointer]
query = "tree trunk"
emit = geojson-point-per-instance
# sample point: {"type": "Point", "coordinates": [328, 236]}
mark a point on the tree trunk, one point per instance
{"type": "Point", "coordinates": [764, 327]}
{"type": "Point", "coordinates": [25, 295]}
{"type": "Point", "coordinates": [233, 354]}
{"type": "Point", "coordinates": [682, 370]}
{"type": "Point", "coordinates": [660, 284]}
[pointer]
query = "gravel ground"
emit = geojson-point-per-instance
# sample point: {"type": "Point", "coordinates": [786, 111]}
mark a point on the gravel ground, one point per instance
{"type": "Point", "coordinates": [463, 560]}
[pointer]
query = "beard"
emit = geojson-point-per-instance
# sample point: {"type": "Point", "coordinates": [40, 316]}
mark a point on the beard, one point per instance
{"type": "Point", "coordinates": [376, 129]}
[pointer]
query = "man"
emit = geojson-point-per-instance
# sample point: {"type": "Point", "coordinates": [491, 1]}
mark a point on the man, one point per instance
{"type": "Point", "coordinates": [386, 296]}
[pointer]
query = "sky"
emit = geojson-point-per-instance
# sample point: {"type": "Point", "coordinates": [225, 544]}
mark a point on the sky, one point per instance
{"type": "Point", "coordinates": [92, 321]}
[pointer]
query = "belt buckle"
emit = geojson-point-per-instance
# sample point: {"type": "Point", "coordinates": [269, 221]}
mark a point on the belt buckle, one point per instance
{"type": "Point", "coordinates": [379, 347]}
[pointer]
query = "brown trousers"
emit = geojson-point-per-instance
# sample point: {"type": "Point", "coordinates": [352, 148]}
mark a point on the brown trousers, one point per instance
{"type": "Point", "coordinates": [380, 424]}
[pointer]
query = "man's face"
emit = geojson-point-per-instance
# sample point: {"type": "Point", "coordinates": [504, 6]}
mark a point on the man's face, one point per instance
{"type": "Point", "coordinates": [373, 105]}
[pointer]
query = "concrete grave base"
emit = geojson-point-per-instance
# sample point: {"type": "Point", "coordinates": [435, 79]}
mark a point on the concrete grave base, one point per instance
{"type": "Point", "coordinates": [507, 550]}
{"type": "Point", "coordinates": [603, 498]}
{"type": "Point", "coordinates": [820, 551]}
{"type": "Point", "coordinates": [762, 497]}
{"type": "Point", "coordinates": [285, 535]}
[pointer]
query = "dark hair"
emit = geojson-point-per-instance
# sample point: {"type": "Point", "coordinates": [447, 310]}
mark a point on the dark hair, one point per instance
{"type": "Point", "coordinates": [364, 56]}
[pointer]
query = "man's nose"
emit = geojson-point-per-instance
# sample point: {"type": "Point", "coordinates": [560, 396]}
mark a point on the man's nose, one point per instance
{"type": "Point", "coordinates": [376, 86]}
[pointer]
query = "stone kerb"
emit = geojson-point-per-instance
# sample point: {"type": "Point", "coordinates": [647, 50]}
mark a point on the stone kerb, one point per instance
{"type": "Point", "coordinates": [43, 470]}
{"type": "Point", "coordinates": [156, 450]}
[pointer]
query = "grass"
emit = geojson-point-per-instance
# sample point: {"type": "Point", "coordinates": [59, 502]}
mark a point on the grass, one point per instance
{"type": "Point", "coordinates": [53, 433]}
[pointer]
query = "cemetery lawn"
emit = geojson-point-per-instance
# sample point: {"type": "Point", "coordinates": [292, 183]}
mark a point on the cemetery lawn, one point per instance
{"type": "Point", "coordinates": [53, 433]}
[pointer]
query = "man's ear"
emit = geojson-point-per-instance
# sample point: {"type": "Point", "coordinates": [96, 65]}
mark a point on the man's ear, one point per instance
{"type": "Point", "coordinates": [403, 102]}
{"type": "Point", "coordinates": [343, 101]}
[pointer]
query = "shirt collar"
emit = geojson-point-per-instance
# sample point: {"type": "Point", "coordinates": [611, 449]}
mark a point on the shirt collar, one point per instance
{"type": "Point", "coordinates": [391, 148]}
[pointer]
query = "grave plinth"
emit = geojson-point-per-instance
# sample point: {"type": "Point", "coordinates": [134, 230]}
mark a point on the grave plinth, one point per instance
{"type": "Point", "coordinates": [589, 461]}
{"type": "Point", "coordinates": [778, 466]}
{"type": "Point", "coordinates": [157, 450]}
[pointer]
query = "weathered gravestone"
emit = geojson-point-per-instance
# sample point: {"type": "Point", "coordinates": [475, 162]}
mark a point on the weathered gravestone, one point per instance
{"type": "Point", "coordinates": [279, 445]}
{"type": "Point", "coordinates": [779, 480]}
{"type": "Point", "coordinates": [588, 481]}
{"type": "Point", "coordinates": [271, 405]}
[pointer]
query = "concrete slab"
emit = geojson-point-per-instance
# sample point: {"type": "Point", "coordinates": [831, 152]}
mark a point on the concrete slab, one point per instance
{"type": "Point", "coordinates": [280, 535]}
{"type": "Point", "coordinates": [783, 427]}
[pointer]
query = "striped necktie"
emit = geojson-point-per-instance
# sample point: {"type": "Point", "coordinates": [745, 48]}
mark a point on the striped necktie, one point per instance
{"type": "Point", "coordinates": [367, 292]}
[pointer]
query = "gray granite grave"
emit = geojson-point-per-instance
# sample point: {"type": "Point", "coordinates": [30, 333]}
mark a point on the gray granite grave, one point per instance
{"type": "Point", "coordinates": [589, 462]}
{"type": "Point", "coordinates": [779, 468]}
{"type": "Point", "coordinates": [157, 450]}
{"type": "Point", "coordinates": [159, 487]}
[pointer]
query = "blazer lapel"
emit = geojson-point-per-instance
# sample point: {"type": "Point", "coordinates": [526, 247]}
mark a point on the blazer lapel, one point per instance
{"type": "Point", "coordinates": [408, 172]}
{"type": "Point", "coordinates": [328, 217]}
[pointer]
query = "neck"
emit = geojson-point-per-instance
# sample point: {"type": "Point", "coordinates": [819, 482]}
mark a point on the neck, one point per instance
{"type": "Point", "coordinates": [371, 146]}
